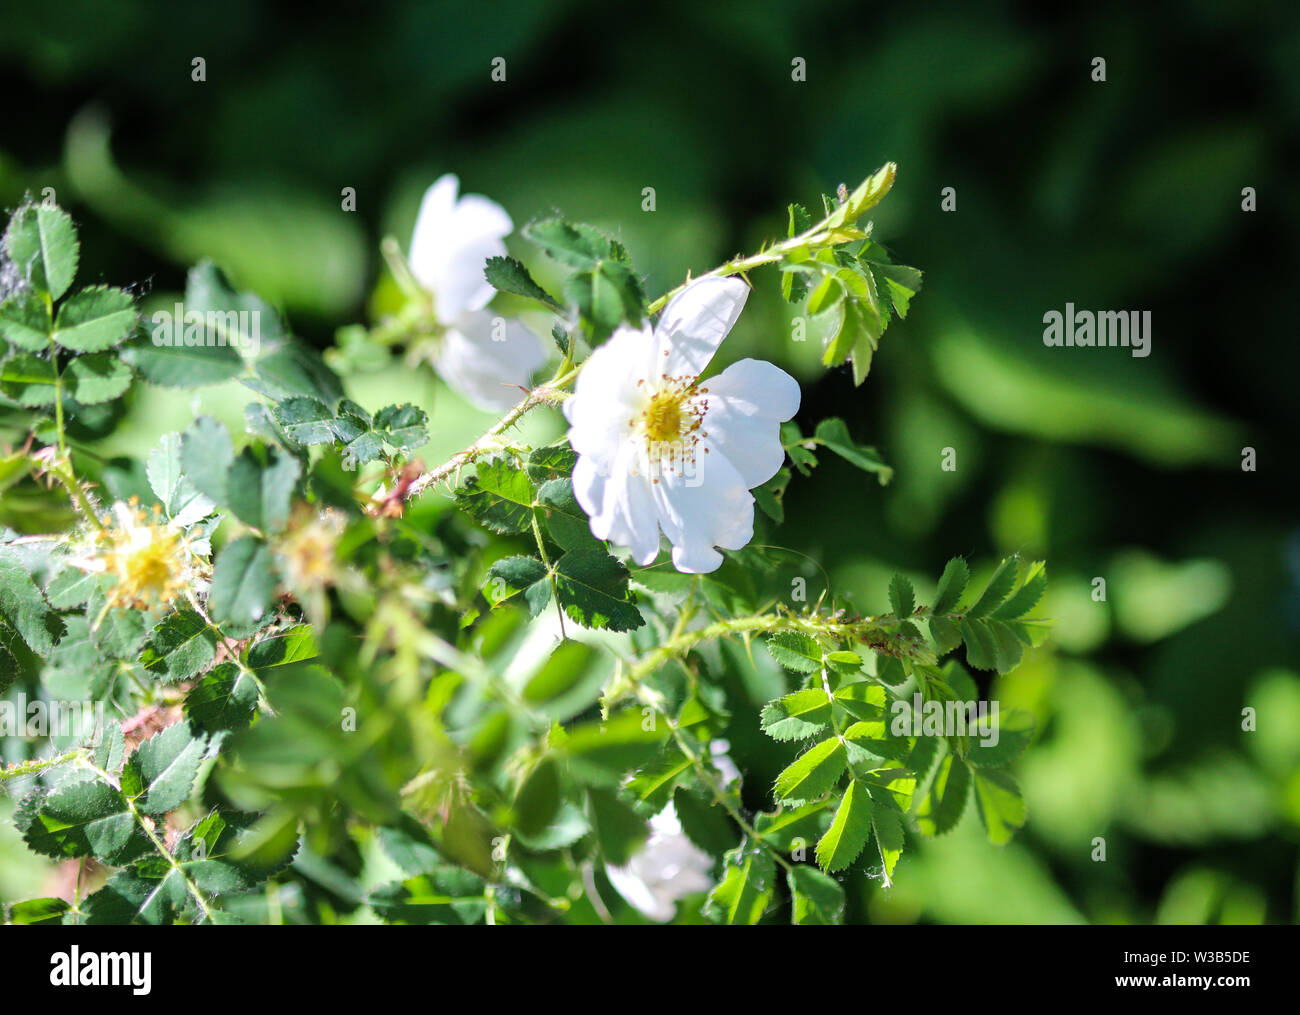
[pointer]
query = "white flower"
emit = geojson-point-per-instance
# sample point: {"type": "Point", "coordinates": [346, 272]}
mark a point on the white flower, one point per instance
{"type": "Point", "coordinates": [484, 357]}
{"type": "Point", "coordinates": [669, 866]}
{"type": "Point", "coordinates": [658, 449]}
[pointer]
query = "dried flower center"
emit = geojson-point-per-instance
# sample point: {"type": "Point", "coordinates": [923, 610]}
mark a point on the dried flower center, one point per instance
{"type": "Point", "coordinates": [147, 556]}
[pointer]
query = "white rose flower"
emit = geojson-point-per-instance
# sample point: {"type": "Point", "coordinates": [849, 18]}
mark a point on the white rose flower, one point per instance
{"type": "Point", "coordinates": [484, 357]}
{"type": "Point", "coordinates": [659, 449]}
{"type": "Point", "coordinates": [669, 866]}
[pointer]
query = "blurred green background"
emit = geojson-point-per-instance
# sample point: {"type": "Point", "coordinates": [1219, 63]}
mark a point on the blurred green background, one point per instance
{"type": "Point", "coordinates": [1125, 194]}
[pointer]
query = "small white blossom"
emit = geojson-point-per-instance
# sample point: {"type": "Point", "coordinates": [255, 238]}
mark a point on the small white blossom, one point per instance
{"type": "Point", "coordinates": [669, 866]}
{"type": "Point", "coordinates": [484, 357]}
{"type": "Point", "coordinates": [659, 449]}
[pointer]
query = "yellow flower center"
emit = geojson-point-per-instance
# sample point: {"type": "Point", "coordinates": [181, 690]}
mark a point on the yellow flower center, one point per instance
{"type": "Point", "coordinates": [663, 417]}
{"type": "Point", "coordinates": [670, 425]}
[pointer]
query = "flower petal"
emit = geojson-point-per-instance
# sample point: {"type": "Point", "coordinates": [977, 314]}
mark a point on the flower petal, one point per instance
{"type": "Point", "coordinates": [452, 241]}
{"type": "Point", "coordinates": [619, 505]}
{"type": "Point", "coordinates": [607, 395]}
{"type": "Point", "coordinates": [708, 506]}
{"type": "Point", "coordinates": [695, 322]}
{"type": "Point", "coordinates": [487, 372]}
{"type": "Point", "coordinates": [748, 402]}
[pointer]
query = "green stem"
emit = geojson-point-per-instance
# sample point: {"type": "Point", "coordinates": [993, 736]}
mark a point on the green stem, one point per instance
{"type": "Point", "coordinates": [550, 393]}
{"type": "Point", "coordinates": [32, 767]}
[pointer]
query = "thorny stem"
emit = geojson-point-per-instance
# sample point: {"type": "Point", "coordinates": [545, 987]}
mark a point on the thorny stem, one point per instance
{"type": "Point", "coordinates": [22, 768]}
{"type": "Point", "coordinates": [550, 393]}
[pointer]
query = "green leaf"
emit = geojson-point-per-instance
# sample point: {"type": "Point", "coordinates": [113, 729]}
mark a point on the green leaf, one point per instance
{"type": "Point", "coordinates": [23, 606]}
{"type": "Point", "coordinates": [901, 597]}
{"type": "Point", "coordinates": [159, 775]}
{"type": "Point", "coordinates": [42, 242]}
{"type": "Point", "coordinates": [592, 587]}
{"type": "Point", "coordinates": [25, 321]}
{"type": "Point", "coordinates": [512, 575]}
{"type": "Point", "coordinates": [538, 798]}
{"type": "Point", "coordinates": [981, 650]}
{"type": "Point", "coordinates": [815, 898]}
{"type": "Point", "coordinates": [705, 822]}
{"type": "Point", "coordinates": [795, 651]}
{"type": "Point", "coordinates": [746, 887]}
{"type": "Point", "coordinates": [887, 823]}
{"type": "Point", "coordinates": [306, 420]}
{"type": "Point", "coordinates": [575, 245]}
{"type": "Point", "coordinates": [655, 784]}
{"type": "Point", "coordinates": [80, 817]}
{"type": "Point", "coordinates": [998, 588]}
{"type": "Point", "coordinates": [849, 829]}
{"type": "Point", "coordinates": [260, 493]}
{"type": "Point", "coordinates": [95, 319]}
{"type": "Point", "coordinates": [446, 896]}
{"type": "Point", "coordinates": [620, 831]}
{"type": "Point", "coordinates": [29, 380]}
{"type": "Point", "coordinates": [553, 461]}
{"type": "Point", "coordinates": [770, 496]}
{"type": "Point", "coordinates": [1027, 596]}
{"type": "Point", "coordinates": [37, 912]}
{"type": "Point", "coordinates": [862, 699]}
{"type": "Point", "coordinates": [500, 497]}
{"type": "Point", "coordinates": [814, 772]}
{"type": "Point", "coordinates": [224, 700]}
{"type": "Point", "coordinates": [408, 845]}
{"type": "Point", "coordinates": [947, 799]}
{"type": "Point", "coordinates": [951, 585]}
{"type": "Point", "coordinates": [179, 647]}
{"type": "Point", "coordinates": [946, 634]}
{"type": "Point", "coordinates": [206, 456]}
{"type": "Point", "coordinates": [242, 583]}
{"type": "Point", "coordinates": [797, 716]}
{"type": "Point", "coordinates": [70, 588]}
{"type": "Point", "coordinates": [181, 500]}
{"type": "Point", "coordinates": [97, 378]}
{"type": "Point", "coordinates": [834, 434]}
{"type": "Point", "coordinates": [508, 275]}
{"type": "Point", "coordinates": [1015, 729]}
{"type": "Point", "coordinates": [182, 366]}
{"type": "Point", "coordinates": [1000, 804]}
{"type": "Point", "coordinates": [565, 521]}
{"type": "Point", "coordinates": [403, 426]}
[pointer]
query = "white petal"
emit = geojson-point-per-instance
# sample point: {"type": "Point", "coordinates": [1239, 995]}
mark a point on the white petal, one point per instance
{"type": "Point", "coordinates": [619, 505]}
{"type": "Point", "coordinates": [452, 241]}
{"type": "Point", "coordinates": [712, 507]}
{"type": "Point", "coordinates": [696, 321]}
{"type": "Point", "coordinates": [748, 402]}
{"type": "Point", "coordinates": [489, 373]}
{"type": "Point", "coordinates": [607, 395]}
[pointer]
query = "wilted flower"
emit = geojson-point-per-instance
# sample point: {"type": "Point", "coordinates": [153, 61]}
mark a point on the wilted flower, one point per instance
{"type": "Point", "coordinates": [483, 356]}
{"type": "Point", "coordinates": [658, 449]}
{"type": "Point", "coordinates": [150, 560]}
